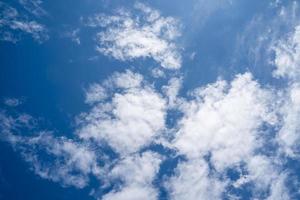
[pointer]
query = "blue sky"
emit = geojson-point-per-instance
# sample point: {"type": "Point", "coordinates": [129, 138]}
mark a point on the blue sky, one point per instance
{"type": "Point", "coordinates": [156, 100]}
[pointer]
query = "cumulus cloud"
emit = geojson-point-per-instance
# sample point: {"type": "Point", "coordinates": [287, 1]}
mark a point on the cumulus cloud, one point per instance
{"type": "Point", "coordinates": [143, 33]}
{"type": "Point", "coordinates": [13, 25]}
{"type": "Point", "coordinates": [131, 119]}
{"type": "Point", "coordinates": [224, 119]}
{"type": "Point", "coordinates": [137, 173]}
{"type": "Point", "coordinates": [193, 181]}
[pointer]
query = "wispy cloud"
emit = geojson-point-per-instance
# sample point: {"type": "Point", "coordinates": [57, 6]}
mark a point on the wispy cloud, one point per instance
{"type": "Point", "coordinates": [70, 162]}
{"type": "Point", "coordinates": [13, 102]}
{"type": "Point", "coordinates": [73, 35]}
{"type": "Point", "coordinates": [13, 25]}
{"type": "Point", "coordinates": [34, 7]}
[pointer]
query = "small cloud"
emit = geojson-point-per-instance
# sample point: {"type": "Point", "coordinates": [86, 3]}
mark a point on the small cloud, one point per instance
{"type": "Point", "coordinates": [73, 35]}
{"type": "Point", "coordinates": [93, 58]}
{"type": "Point", "coordinates": [13, 102]}
{"type": "Point", "coordinates": [192, 56]}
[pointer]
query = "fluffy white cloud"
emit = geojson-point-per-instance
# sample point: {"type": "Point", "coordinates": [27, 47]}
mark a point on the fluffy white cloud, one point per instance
{"type": "Point", "coordinates": [140, 34]}
{"type": "Point", "coordinates": [137, 173]}
{"type": "Point", "coordinates": [131, 118]}
{"type": "Point", "coordinates": [14, 24]}
{"type": "Point", "coordinates": [224, 119]}
{"type": "Point", "coordinates": [132, 193]}
{"type": "Point", "coordinates": [193, 181]}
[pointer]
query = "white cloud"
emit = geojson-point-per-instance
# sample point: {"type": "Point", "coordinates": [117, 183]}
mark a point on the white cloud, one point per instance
{"type": "Point", "coordinates": [221, 130]}
{"type": "Point", "coordinates": [132, 193]}
{"type": "Point", "coordinates": [133, 116]}
{"type": "Point", "coordinates": [225, 119]}
{"type": "Point", "coordinates": [137, 173]}
{"type": "Point", "coordinates": [14, 24]}
{"type": "Point", "coordinates": [192, 181]}
{"type": "Point", "coordinates": [125, 80]}
{"type": "Point", "coordinates": [95, 93]}
{"type": "Point", "coordinates": [143, 33]}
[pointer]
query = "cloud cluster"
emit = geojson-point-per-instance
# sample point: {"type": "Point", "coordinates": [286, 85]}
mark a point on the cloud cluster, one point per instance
{"type": "Point", "coordinates": [143, 33]}
{"type": "Point", "coordinates": [126, 115]}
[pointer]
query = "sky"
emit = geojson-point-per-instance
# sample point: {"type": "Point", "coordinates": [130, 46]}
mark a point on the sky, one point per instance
{"type": "Point", "coordinates": [154, 100]}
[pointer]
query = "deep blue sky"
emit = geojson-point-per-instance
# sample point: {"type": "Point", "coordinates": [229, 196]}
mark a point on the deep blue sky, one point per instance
{"type": "Point", "coordinates": [50, 78]}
